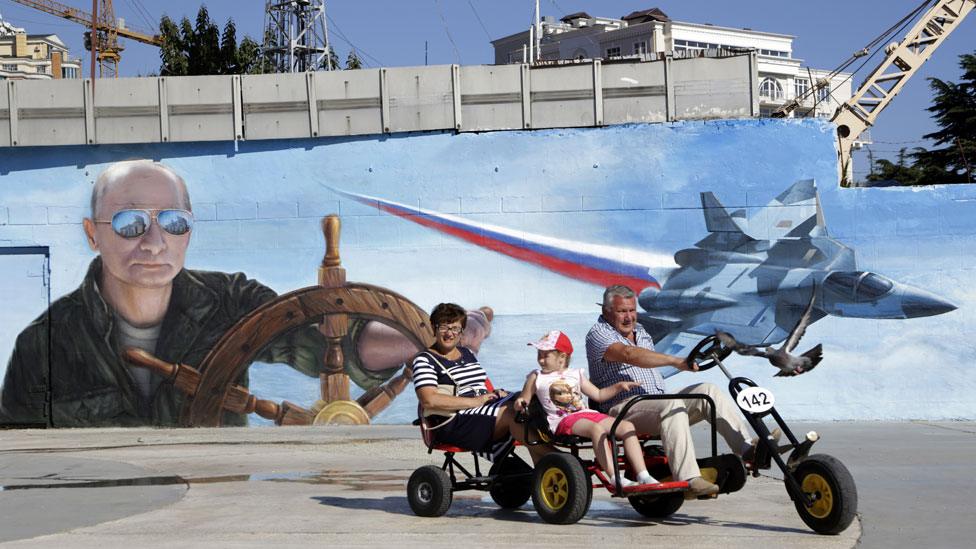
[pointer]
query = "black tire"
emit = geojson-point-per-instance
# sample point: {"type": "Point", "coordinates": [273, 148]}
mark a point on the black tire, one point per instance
{"type": "Point", "coordinates": [513, 485]}
{"type": "Point", "coordinates": [560, 489]}
{"type": "Point", "coordinates": [429, 491]}
{"type": "Point", "coordinates": [657, 507]}
{"type": "Point", "coordinates": [834, 492]}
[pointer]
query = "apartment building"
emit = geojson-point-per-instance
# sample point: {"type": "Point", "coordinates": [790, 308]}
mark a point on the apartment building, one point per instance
{"type": "Point", "coordinates": [34, 56]}
{"type": "Point", "coordinates": [651, 34]}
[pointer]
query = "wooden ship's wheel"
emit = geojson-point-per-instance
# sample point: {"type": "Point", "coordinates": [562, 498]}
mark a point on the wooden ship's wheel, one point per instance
{"type": "Point", "coordinates": [211, 388]}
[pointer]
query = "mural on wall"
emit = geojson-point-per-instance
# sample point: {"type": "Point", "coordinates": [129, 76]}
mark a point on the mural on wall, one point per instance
{"type": "Point", "coordinates": [530, 224]}
{"type": "Point", "coordinates": [755, 289]}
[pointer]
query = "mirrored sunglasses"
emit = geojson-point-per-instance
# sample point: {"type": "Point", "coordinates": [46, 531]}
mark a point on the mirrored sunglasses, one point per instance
{"type": "Point", "coordinates": [134, 223]}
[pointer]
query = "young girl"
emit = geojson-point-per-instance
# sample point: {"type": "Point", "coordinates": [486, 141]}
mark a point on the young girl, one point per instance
{"type": "Point", "coordinates": [558, 388]}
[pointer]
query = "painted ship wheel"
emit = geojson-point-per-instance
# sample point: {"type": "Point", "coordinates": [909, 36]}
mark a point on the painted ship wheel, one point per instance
{"type": "Point", "coordinates": [211, 388]}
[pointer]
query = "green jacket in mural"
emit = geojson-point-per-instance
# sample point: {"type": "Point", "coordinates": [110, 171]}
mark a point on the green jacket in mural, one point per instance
{"type": "Point", "coordinates": [90, 384]}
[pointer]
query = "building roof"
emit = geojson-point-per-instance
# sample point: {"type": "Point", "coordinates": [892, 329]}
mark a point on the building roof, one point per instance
{"type": "Point", "coordinates": [577, 15]}
{"type": "Point", "coordinates": [653, 14]}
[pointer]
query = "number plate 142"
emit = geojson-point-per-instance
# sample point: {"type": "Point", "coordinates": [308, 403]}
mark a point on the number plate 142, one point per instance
{"type": "Point", "coordinates": [755, 399]}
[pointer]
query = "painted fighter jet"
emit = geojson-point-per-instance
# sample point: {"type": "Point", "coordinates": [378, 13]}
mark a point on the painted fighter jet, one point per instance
{"type": "Point", "coordinates": [753, 288]}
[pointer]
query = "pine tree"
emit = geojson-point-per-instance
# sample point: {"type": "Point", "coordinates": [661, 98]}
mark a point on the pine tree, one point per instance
{"type": "Point", "coordinates": [954, 161]}
{"type": "Point", "coordinates": [954, 109]}
{"type": "Point", "coordinates": [193, 48]}
{"type": "Point", "coordinates": [172, 52]}
{"type": "Point", "coordinates": [228, 49]}
{"type": "Point", "coordinates": [352, 61]}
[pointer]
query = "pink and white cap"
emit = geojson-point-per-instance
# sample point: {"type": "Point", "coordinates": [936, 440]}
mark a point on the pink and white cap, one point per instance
{"type": "Point", "coordinates": [554, 341]}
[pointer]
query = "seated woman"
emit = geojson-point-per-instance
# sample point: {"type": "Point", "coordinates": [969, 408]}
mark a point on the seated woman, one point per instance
{"type": "Point", "coordinates": [472, 417]}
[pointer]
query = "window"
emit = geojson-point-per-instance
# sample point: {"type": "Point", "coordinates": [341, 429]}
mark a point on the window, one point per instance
{"type": "Point", "coordinates": [41, 69]}
{"type": "Point", "coordinates": [69, 72]}
{"type": "Point", "coordinates": [640, 48]}
{"type": "Point", "coordinates": [801, 86]}
{"type": "Point", "coordinates": [9, 67]}
{"type": "Point", "coordinates": [613, 52]}
{"type": "Point", "coordinates": [774, 53]}
{"type": "Point", "coordinates": [823, 93]}
{"type": "Point", "coordinates": [771, 89]}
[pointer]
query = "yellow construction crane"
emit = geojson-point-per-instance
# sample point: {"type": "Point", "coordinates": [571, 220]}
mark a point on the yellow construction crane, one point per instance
{"type": "Point", "coordinates": [936, 20]}
{"type": "Point", "coordinates": [103, 38]}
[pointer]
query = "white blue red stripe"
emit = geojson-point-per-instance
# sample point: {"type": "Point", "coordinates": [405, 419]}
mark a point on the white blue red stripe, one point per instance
{"type": "Point", "coordinates": [594, 263]}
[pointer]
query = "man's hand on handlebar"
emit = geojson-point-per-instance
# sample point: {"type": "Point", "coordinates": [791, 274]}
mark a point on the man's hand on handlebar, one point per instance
{"type": "Point", "coordinates": [686, 366]}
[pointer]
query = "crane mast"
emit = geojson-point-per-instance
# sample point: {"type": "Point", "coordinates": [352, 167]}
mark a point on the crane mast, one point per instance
{"type": "Point", "coordinates": [902, 60]}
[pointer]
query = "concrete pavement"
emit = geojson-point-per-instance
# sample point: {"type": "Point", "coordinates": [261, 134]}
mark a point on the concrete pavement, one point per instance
{"type": "Point", "coordinates": [346, 486]}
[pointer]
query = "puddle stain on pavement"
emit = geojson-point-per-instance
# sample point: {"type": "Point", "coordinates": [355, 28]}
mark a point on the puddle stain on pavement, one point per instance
{"type": "Point", "coordinates": [354, 481]}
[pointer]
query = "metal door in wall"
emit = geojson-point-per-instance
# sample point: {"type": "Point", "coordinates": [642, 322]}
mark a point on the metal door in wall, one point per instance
{"type": "Point", "coordinates": [25, 294]}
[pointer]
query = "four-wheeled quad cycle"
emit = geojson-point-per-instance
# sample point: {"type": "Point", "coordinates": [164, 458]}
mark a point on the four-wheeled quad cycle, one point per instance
{"type": "Point", "coordinates": [561, 484]}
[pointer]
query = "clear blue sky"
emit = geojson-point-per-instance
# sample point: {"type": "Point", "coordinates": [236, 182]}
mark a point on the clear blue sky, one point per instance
{"type": "Point", "coordinates": [393, 33]}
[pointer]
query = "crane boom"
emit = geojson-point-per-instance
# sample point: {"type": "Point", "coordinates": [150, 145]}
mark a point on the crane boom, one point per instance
{"type": "Point", "coordinates": [84, 18]}
{"type": "Point", "coordinates": [901, 62]}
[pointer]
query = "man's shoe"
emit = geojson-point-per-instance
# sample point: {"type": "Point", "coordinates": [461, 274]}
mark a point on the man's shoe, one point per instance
{"type": "Point", "coordinates": [700, 488]}
{"type": "Point", "coordinates": [750, 454]}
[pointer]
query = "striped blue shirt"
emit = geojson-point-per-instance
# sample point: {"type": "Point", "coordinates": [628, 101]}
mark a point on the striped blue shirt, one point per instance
{"type": "Point", "coordinates": [465, 372]}
{"type": "Point", "coordinates": [604, 373]}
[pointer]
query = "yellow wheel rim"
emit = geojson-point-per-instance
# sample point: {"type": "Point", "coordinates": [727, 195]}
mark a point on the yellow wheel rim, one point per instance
{"type": "Point", "coordinates": [823, 498]}
{"type": "Point", "coordinates": [554, 488]}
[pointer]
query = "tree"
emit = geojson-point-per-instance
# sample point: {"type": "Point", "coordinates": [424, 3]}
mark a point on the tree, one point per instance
{"type": "Point", "coordinates": [200, 48]}
{"type": "Point", "coordinates": [333, 60]}
{"type": "Point", "coordinates": [954, 161]}
{"type": "Point", "coordinates": [954, 109]}
{"type": "Point", "coordinates": [352, 61]}
{"type": "Point", "coordinates": [172, 53]}
{"type": "Point", "coordinates": [900, 171]}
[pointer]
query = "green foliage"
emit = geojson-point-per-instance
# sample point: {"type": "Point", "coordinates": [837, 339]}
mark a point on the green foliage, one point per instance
{"type": "Point", "coordinates": [333, 60]}
{"type": "Point", "coordinates": [352, 61]}
{"type": "Point", "coordinates": [200, 48]}
{"type": "Point", "coordinates": [954, 159]}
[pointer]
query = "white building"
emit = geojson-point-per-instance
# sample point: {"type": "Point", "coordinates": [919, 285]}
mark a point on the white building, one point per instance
{"type": "Point", "coordinates": [650, 34]}
{"type": "Point", "coordinates": [34, 56]}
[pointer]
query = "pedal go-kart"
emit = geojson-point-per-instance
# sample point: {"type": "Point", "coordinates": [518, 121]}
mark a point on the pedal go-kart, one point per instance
{"type": "Point", "coordinates": [561, 485]}
{"type": "Point", "coordinates": [822, 489]}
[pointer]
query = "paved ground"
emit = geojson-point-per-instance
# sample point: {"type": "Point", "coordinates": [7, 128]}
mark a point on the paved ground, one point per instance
{"type": "Point", "coordinates": [345, 486]}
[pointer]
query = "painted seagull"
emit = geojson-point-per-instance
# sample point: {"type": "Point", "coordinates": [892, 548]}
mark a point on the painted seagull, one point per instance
{"type": "Point", "coordinates": [788, 364]}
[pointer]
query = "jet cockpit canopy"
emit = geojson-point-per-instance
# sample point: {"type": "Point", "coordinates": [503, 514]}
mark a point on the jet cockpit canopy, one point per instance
{"type": "Point", "coordinates": [858, 285]}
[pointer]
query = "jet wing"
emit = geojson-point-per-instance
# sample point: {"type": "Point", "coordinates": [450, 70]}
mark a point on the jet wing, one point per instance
{"type": "Point", "coordinates": [795, 213]}
{"type": "Point", "coordinates": [594, 263]}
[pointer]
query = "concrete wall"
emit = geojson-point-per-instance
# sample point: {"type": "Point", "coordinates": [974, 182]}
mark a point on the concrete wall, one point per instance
{"type": "Point", "coordinates": [614, 200]}
{"type": "Point", "coordinates": [372, 101]}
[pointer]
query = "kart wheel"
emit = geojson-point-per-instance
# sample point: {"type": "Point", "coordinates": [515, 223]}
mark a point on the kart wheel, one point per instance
{"type": "Point", "coordinates": [659, 506]}
{"type": "Point", "coordinates": [560, 490]}
{"type": "Point", "coordinates": [834, 494]}
{"type": "Point", "coordinates": [513, 487]}
{"type": "Point", "coordinates": [429, 491]}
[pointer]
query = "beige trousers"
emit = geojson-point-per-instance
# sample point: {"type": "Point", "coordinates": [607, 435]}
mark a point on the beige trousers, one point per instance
{"type": "Point", "coordinates": [672, 420]}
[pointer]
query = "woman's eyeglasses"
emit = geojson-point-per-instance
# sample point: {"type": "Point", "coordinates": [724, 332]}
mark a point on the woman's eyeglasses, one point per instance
{"type": "Point", "coordinates": [450, 329]}
{"type": "Point", "coordinates": [134, 223]}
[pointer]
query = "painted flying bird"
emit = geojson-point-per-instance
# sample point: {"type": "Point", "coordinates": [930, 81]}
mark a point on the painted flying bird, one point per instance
{"type": "Point", "coordinates": [788, 364]}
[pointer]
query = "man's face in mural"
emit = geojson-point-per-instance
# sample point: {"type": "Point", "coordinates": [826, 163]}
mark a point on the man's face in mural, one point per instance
{"type": "Point", "coordinates": [622, 314]}
{"type": "Point", "coordinates": [153, 259]}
